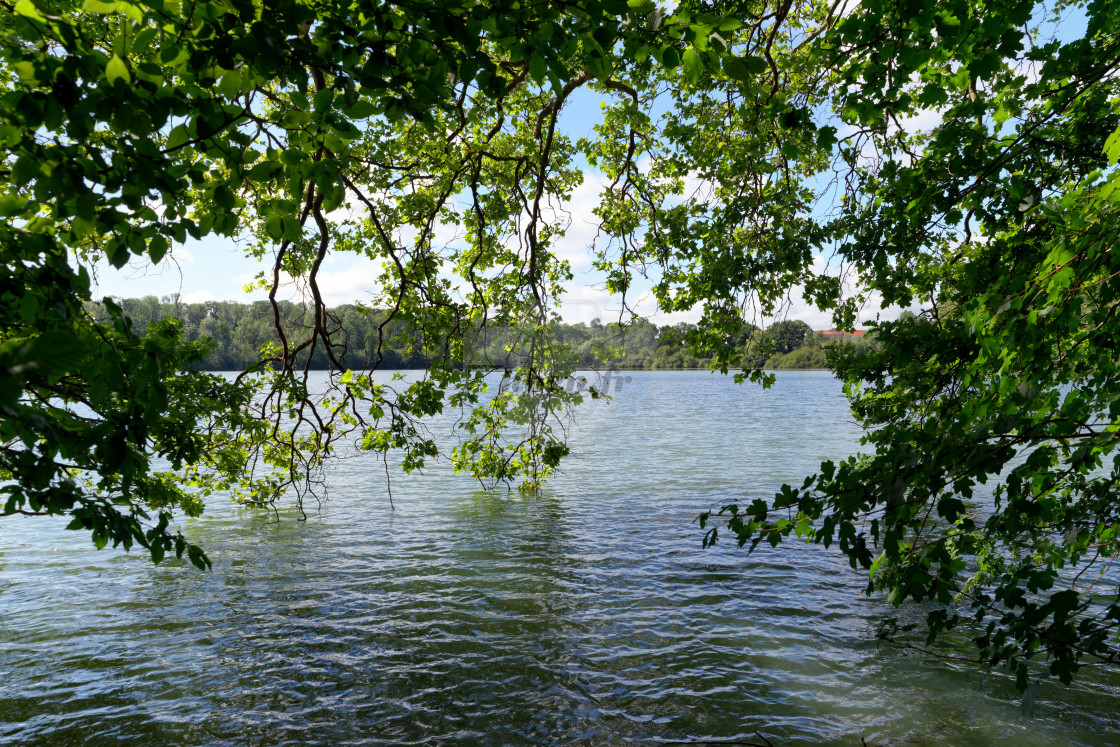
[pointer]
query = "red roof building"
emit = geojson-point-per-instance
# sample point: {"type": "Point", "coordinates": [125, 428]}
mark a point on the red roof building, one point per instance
{"type": "Point", "coordinates": [839, 334]}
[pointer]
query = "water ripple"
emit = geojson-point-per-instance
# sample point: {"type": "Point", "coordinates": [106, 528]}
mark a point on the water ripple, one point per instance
{"type": "Point", "coordinates": [586, 615]}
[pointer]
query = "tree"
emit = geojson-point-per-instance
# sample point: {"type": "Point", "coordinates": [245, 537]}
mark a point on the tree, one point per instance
{"type": "Point", "coordinates": [788, 335]}
{"type": "Point", "coordinates": [129, 126]}
{"type": "Point", "coordinates": [1002, 223]}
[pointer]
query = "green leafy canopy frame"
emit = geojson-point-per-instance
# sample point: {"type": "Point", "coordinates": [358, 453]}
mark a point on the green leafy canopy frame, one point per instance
{"type": "Point", "coordinates": [128, 127]}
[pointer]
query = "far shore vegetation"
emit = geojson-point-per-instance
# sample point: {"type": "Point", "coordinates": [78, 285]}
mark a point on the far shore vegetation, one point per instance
{"type": "Point", "coordinates": [239, 331]}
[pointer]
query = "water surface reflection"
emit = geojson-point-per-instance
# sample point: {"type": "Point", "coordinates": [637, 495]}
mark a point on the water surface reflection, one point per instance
{"type": "Point", "coordinates": [587, 614]}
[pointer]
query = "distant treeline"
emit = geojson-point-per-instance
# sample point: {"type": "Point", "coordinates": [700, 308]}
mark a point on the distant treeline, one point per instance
{"type": "Point", "coordinates": [238, 332]}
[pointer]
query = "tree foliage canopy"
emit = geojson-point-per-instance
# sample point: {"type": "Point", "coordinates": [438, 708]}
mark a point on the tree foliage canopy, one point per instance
{"type": "Point", "coordinates": [304, 128]}
{"type": "Point", "coordinates": [236, 333]}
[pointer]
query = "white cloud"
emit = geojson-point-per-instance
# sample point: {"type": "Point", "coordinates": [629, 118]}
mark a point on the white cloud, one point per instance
{"type": "Point", "coordinates": [584, 303]}
{"type": "Point", "coordinates": [179, 255]}
{"type": "Point", "coordinates": [582, 230]}
{"type": "Point", "coordinates": [342, 281]}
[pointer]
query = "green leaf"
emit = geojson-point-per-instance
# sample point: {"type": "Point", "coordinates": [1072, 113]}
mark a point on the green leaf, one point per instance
{"type": "Point", "coordinates": [826, 138]}
{"type": "Point", "coordinates": [179, 135]}
{"type": "Point", "coordinates": [264, 171]}
{"type": "Point", "coordinates": [12, 205]}
{"type": "Point", "coordinates": [230, 84]}
{"type": "Point", "coordinates": [27, 9]}
{"type": "Point", "coordinates": [143, 39]}
{"type": "Point", "coordinates": [172, 54]}
{"type": "Point", "coordinates": [361, 110]}
{"type": "Point", "coordinates": [293, 231]}
{"type": "Point", "coordinates": [1109, 191]}
{"type": "Point", "coordinates": [1112, 148]}
{"type": "Point", "coordinates": [118, 254]}
{"type": "Point", "coordinates": [743, 68]}
{"type": "Point", "coordinates": [98, 391]}
{"type": "Point", "coordinates": [537, 68]}
{"type": "Point", "coordinates": [224, 197]}
{"type": "Point", "coordinates": [323, 100]}
{"type": "Point", "coordinates": [98, 6]}
{"type": "Point", "coordinates": [157, 248]}
{"type": "Point", "coordinates": [117, 70]}
{"type": "Point", "coordinates": [25, 169]}
{"type": "Point", "coordinates": [599, 67]}
{"type": "Point", "coordinates": [670, 57]}
{"type": "Point", "coordinates": [26, 72]}
{"type": "Point", "coordinates": [735, 69]}
{"type": "Point", "coordinates": [274, 226]}
{"type": "Point", "coordinates": [55, 352]}
{"type": "Point", "coordinates": [198, 558]}
{"type": "Point", "coordinates": [131, 11]}
{"type": "Point", "coordinates": [693, 67]}
{"type": "Point", "coordinates": [755, 65]}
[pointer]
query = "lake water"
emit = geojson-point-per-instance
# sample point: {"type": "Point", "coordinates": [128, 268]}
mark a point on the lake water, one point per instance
{"type": "Point", "coordinates": [588, 614]}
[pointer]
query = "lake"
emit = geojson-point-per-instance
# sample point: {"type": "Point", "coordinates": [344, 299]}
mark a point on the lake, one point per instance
{"type": "Point", "coordinates": [586, 614]}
